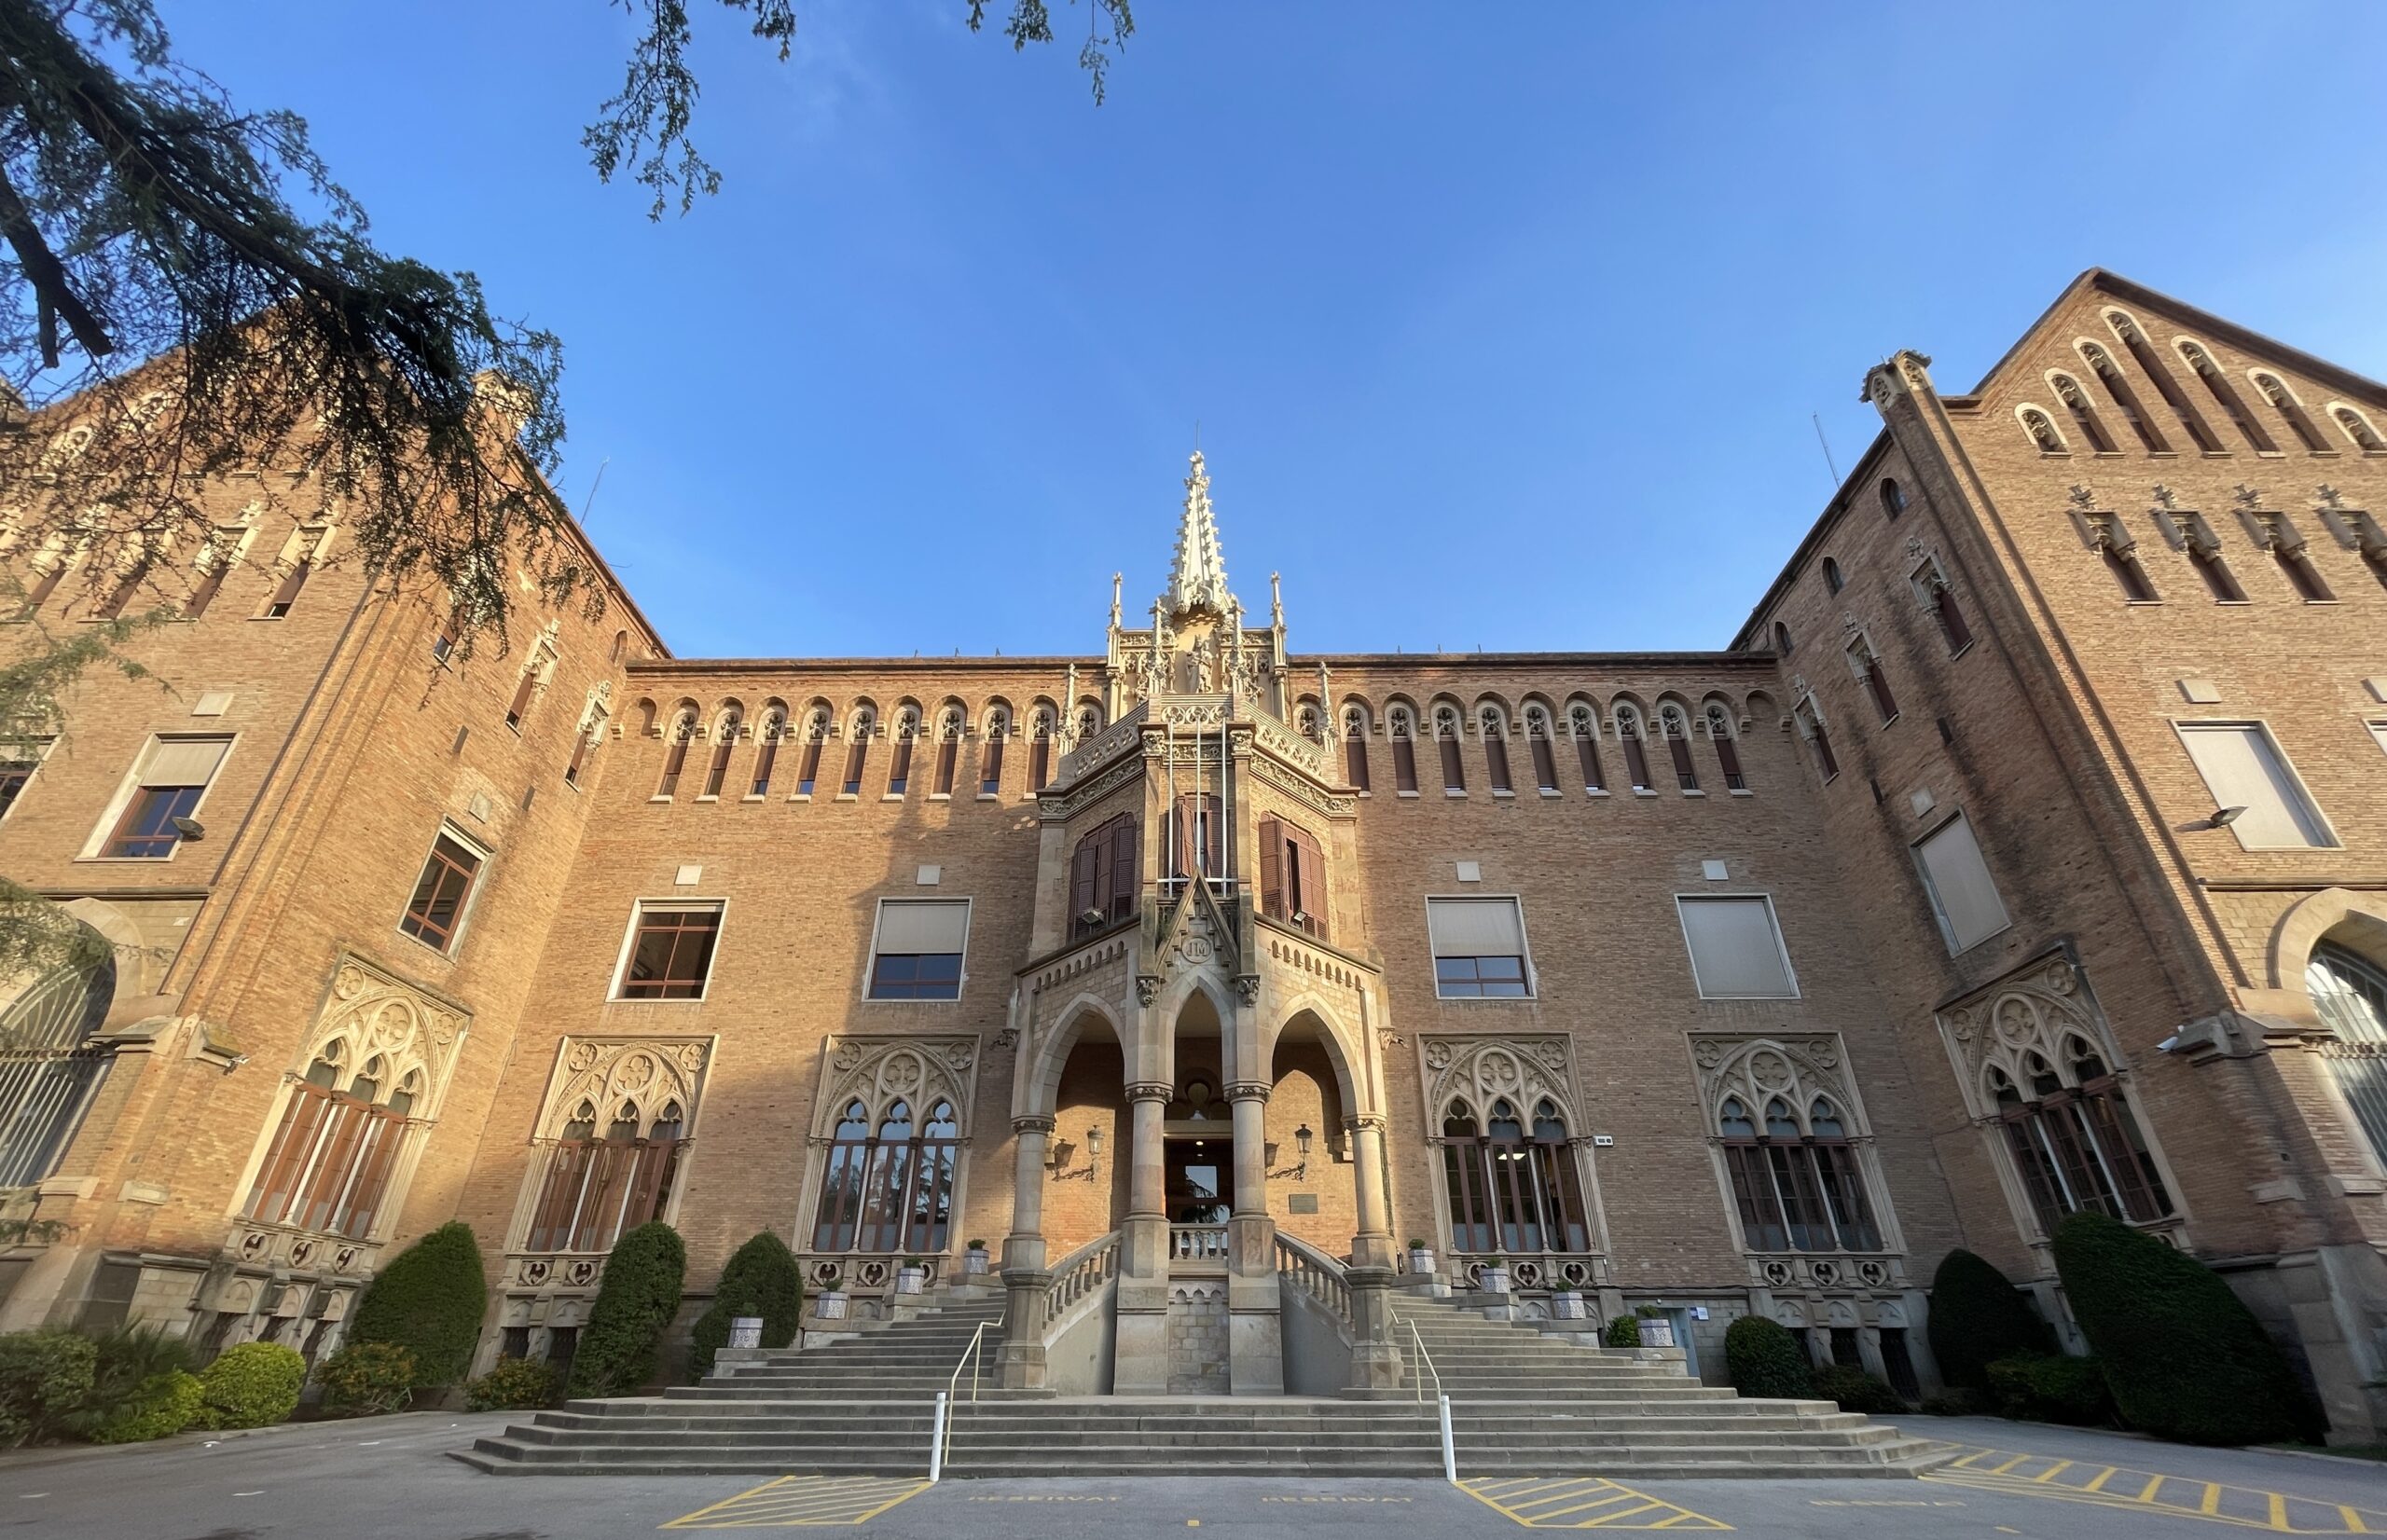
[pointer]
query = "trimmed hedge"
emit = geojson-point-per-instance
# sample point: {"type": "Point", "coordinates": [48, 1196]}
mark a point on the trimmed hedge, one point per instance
{"type": "Point", "coordinates": [2185, 1358]}
{"type": "Point", "coordinates": [1977, 1317]}
{"type": "Point", "coordinates": [1762, 1358]}
{"type": "Point", "coordinates": [2052, 1390]}
{"type": "Point", "coordinates": [636, 1300]}
{"type": "Point", "coordinates": [46, 1377]}
{"type": "Point", "coordinates": [362, 1379]}
{"type": "Point", "coordinates": [516, 1384]}
{"type": "Point", "coordinates": [1856, 1391]}
{"type": "Point", "coordinates": [1623, 1332]}
{"type": "Point", "coordinates": [253, 1385]}
{"type": "Point", "coordinates": [429, 1300]}
{"type": "Point", "coordinates": [763, 1279]}
{"type": "Point", "coordinates": [160, 1407]}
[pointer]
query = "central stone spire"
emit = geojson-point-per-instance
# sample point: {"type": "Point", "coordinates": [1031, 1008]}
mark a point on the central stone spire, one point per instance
{"type": "Point", "coordinates": [1197, 575]}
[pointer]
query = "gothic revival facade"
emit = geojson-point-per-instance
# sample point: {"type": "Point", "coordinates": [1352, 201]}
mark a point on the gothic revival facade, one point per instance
{"type": "Point", "coordinates": [2025, 853]}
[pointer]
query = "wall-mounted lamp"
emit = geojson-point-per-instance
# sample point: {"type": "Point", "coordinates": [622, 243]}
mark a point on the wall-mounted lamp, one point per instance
{"type": "Point", "coordinates": [1093, 1149]}
{"type": "Point", "coordinates": [1301, 1137]}
{"type": "Point", "coordinates": [2223, 816]}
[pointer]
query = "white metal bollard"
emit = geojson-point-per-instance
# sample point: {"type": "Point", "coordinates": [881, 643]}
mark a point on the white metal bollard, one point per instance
{"type": "Point", "coordinates": [1450, 1455]}
{"type": "Point", "coordinates": [936, 1441]}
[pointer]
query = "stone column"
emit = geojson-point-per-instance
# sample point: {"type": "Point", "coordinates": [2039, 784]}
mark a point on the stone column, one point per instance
{"type": "Point", "coordinates": [1140, 1360]}
{"type": "Point", "coordinates": [1025, 1280]}
{"type": "Point", "coordinates": [1255, 1325]}
{"type": "Point", "coordinates": [1371, 1246]}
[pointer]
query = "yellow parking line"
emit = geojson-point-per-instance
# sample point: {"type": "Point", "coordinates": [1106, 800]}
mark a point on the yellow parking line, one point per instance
{"type": "Point", "coordinates": [1534, 1505]}
{"type": "Point", "coordinates": [2053, 1471]}
{"type": "Point", "coordinates": [2103, 1477]}
{"type": "Point", "coordinates": [2352, 1520]}
{"type": "Point", "coordinates": [2185, 1497]}
{"type": "Point", "coordinates": [802, 1502]}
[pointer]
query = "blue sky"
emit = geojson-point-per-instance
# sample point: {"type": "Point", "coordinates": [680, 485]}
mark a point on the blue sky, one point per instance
{"type": "Point", "coordinates": [1503, 325]}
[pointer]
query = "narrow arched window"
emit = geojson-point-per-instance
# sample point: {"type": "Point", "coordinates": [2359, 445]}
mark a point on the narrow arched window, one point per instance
{"type": "Point", "coordinates": [949, 751]}
{"type": "Point", "coordinates": [1446, 737]}
{"type": "Point", "coordinates": [898, 768]}
{"type": "Point", "coordinates": [2125, 399]}
{"type": "Point", "coordinates": [1931, 586]}
{"type": "Point", "coordinates": [857, 753]}
{"type": "Point", "coordinates": [2084, 414]}
{"type": "Point", "coordinates": [2224, 396]}
{"type": "Point", "coordinates": [1832, 580]}
{"type": "Point", "coordinates": [1781, 639]}
{"type": "Point", "coordinates": [1404, 750]}
{"type": "Point", "coordinates": [2165, 386]}
{"type": "Point", "coordinates": [1893, 498]}
{"type": "Point", "coordinates": [1040, 748]}
{"type": "Point", "coordinates": [2350, 994]}
{"type": "Point", "coordinates": [1583, 726]}
{"type": "Point", "coordinates": [816, 736]}
{"type": "Point", "coordinates": [1676, 726]}
{"type": "Point", "coordinates": [1355, 746]}
{"type": "Point", "coordinates": [2042, 430]}
{"type": "Point", "coordinates": [675, 753]}
{"type": "Point", "coordinates": [1811, 727]}
{"type": "Point", "coordinates": [2357, 426]}
{"type": "Point", "coordinates": [1871, 674]}
{"type": "Point", "coordinates": [990, 762]}
{"type": "Point", "coordinates": [1495, 751]}
{"type": "Point", "coordinates": [837, 1217]}
{"type": "Point", "coordinates": [1545, 756]}
{"type": "Point", "coordinates": [766, 754]}
{"type": "Point", "coordinates": [887, 1189]}
{"type": "Point", "coordinates": [724, 734]}
{"type": "Point", "coordinates": [1728, 752]}
{"type": "Point", "coordinates": [1636, 756]}
{"type": "Point", "coordinates": [2291, 412]}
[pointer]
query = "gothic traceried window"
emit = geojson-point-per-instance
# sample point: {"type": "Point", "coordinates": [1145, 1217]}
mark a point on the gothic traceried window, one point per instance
{"type": "Point", "coordinates": [1636, 756]}
{"type": "Point", "coordinates": [890, 1140]}
{"type": "Point", "coordinates": [1512, 1180]}
{"type": "Point", "coordinates": [1795, 1161]}
{"type": "Point", "coordinates": [1355, 746]}
{"type": "Point", "coordinates": [2350, 994]}
{"type": "Point", "coordinates": [949, 751]}
{"type": "Point", "coordinates": [606, 1155]}
{"type": "Point", "coordinates": [990, 760]}
{"type": "Point", "coordinates": [816, 737]}
{"type": "Point", "coordinates": [2357, 426]}
{"type": "Point", "coordinates": [1675, 725]}
{"type": "Point", "coordinates": [1583, 726]}
{"type": "Point", "coordinates": [2042, 430]}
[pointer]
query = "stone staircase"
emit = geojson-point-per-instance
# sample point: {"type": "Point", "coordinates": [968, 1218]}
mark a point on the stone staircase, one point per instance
{"type": "Point", "coordinates": [1521, 1402]}
{"type": "Point", "coordinates": [1529, 1403]}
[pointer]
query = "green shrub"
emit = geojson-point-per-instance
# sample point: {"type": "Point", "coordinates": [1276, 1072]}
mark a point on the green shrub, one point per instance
{"type": "Point", "coordinates": [1955, 1401]}
{"type": "Point", "coordinates": [129, 1375]}
{"type": "Point", "coordinates": [2051, 1390]}
{"type": "Point", "coordinates": [1859, 1392]}
{"type": "Point", "coordinates": [761, 1279]}
{"type": "Point", "coordinates": [45, 1379]}
{"type": "Point", "coordinates": [637, 1300]}
{"type": "Point", "coordinates": [1979, 1317]}
{"type": "Point", "coordinates": [2183, 1355]}
{"type": "Point", "coordinates": [253, 1385]}
{"type": "Point", "coordinates": [1762, 1358]}
{"type": "Point", "coordinates": [1623, 1332]}
{"type": "Point", "coordinates": [428, 1301]}
{"type": "Point", "coordinates": [160, 1407]}
{"type": "Point", "coordinates": [365, 1378]}
{"type": "Point", "coordinates": [516, 1384]}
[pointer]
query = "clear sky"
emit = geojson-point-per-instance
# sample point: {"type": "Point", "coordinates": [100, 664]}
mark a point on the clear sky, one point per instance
{"type": "Point", "coordinates": [1503, 325]}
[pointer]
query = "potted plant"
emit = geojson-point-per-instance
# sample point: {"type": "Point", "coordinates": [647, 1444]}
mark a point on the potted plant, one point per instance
{"type": "Point", "coordinates": [1494, 1277]}
{"type": "Point", "coordinates": [829, 1304]}
{"type": "Point", "coordinates": [1421, 1257]}
{"type": "Point", "coordinates": [973, 1261]}
{"type": "Point", "coordinates": [912, 1276]}
{"type": "Point", "coordinates": [1657, 1327]}
{"type": "Point", "coordinates": [1567, 1304]}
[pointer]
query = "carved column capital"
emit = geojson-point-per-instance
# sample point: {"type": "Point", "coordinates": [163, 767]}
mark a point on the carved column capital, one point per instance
{"type": "Point", "coordinates": [1151, 1090]}
{"type": "Point", "coordinates": [1362, 1122]}
{"type": "Point", "coordinates": [1034, 1123]}
{"type": "Point", "coordinates": [1247, 1091]}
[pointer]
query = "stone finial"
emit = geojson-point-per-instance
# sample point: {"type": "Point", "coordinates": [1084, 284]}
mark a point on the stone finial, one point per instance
{"type": "Point", "coordinates": [2247, 498]}
{"type": "Point", "coordinates": [2327, 496]}
{"type": "Point", "coordinates": [2166, 499]}
{"type": "Point", "coordinates": [1197, 575]}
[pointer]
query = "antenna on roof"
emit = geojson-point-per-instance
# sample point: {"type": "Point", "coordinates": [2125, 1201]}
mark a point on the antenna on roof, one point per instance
{"type": "Point", "coordinates": [1816, 418]}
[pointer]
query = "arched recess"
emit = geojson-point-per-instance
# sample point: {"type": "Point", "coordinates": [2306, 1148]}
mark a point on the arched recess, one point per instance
{"type": "Point", "coordinates": [52, 1028]}
{"type": "Point", "coordinates": [2362, 916]}
{"type": "Point", "coordinates": [1039, 1077]}
{"type": "Point", "coordinates": [1305, 1016]}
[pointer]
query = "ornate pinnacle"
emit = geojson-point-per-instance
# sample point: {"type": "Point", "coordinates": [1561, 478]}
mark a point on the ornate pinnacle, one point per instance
{"type": "Point", "coordinates": [2328, 496]}
{"type": "Point", "coordinates": [2247, 497]}
{"type": "Point", "coordinates": [1197, 576]}
{"type": "Point", "coordinates": [2165, 499]}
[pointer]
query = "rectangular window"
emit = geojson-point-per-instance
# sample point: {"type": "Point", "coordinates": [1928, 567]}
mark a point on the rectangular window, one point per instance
{"type": "Point", "coordinates": [1961, 894]}
{"type": "Point", "coordinates": [300, 554]}
{"type": "Point", "coordinates": [1293, 876]}
{"type": "Point", "coordinates": [2244, 768]}
{"type": "Point", "coordinates": [17, 767]}
{"type": "Point", "coordinates": [436, 912]}
{"type": "Point", "coordinates": [2379, 732]}
{"type": "Point", "coordinates": [916, 954]}
{"type": "Point", "coordinates": [1479, 948]}
{"type": "Point", "coordinates": [174, 776]}
{"type": "Point", "coordinates": [1736, 951]}
{"type": "Point", "coordinates": [670, 952]}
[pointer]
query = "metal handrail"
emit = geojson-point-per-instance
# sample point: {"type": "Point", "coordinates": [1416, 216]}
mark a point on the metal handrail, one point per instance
{"type": "Point", "coordinates": [1443, 1403]}
{"type": "Point", "coordinates": [943, 1417]}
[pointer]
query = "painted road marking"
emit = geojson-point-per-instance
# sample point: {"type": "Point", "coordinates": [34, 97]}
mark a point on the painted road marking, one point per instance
{"type": "Point", "coordinates": [1586, 1503]}
{"type": "Point", "coordinates": [2122, 1487]}
{"type": "Point", "coordinates": [803, 1501]}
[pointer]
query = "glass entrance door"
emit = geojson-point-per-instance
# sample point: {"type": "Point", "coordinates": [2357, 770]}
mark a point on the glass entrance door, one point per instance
{"type": "Point", "coordinates": [1198, 1179]}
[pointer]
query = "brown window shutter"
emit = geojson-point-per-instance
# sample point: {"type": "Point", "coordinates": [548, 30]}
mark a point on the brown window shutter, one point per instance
{"type": "Point", "coordinates": [1272, 868]}
{"type": "Point", "coordinates": [1309, 881]}
{"type": "Point", "coordinates": [1217, 835]}
{"type": "Point", "coordinates": [1080, 882]}
{"type": "Point", "coordinates": [1125, 858]}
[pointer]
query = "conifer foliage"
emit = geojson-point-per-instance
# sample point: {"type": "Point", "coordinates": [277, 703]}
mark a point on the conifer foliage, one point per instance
{"type": "Point", "coordinates": [1765, 1360]}
{"type": "Point", "coordinates": [2183, 1355]}
{"type": "Point", "coordinates": [1979, 1318]}
{"type": "Point", "coordinates": [762, 1279]}
{"type": "Point", "coordinates": [429, 1300]}
{"type": "Point", "coordinates": [635, 1302]}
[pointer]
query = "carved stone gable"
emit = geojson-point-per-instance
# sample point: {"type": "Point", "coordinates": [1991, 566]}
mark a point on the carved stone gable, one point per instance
{"type": "Point", "coordinates": [878, 1072]}
{"type": "Point", "coordinates": [1478, 1072]}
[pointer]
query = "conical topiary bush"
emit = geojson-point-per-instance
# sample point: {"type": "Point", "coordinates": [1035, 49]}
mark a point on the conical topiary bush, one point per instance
{"type": "Point", "coordinates": [763, 1279]}
{"type": "Point", "coordinates": [635, 1302]}
{"type": "Point", "coordinates": [1978, 1318]}
{"type": "Point", "coordinates": [429, 1300]}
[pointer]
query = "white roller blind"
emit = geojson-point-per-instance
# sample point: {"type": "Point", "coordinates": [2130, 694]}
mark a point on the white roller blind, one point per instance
{"type": "Point", "coordinates": [184, 761]}
{"type": "Point", "coordinates": [1967, 899]}
{"type": "Point", "coordinates": [2243, 768]}
{"type": "Point", "coordinates": [909, 926]}
{"type": "Point", "coordinates": [1475, 927]}
{"type": "Point", "coordinates": [1735, 953]}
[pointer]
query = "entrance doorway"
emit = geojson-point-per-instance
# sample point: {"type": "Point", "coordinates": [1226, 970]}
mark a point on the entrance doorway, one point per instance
{"type": "Point", "coordinates": [1198, 1178]}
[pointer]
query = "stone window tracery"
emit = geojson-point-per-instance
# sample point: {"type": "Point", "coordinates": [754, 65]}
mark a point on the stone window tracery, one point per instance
{"type": "Point", "coordinates": [2084, 412]}
{"type": "Point", "coordinates": [608, 1150]}
{"type": "Point", "coordinates": [816, 736]}
{"type": "Point", "coordinates": [1511, 1176]}
{"type": "Point", "coordinates": [591, 731]}
{"type": "Point", "coordinates": [890, 1132]}
{"type": "Point", "coordinates": [1583, 726]}
{"type": "Point", "coordinates": [858, 733]}
{"type": "Point", "coordinates": [1355, 746]}
{"type": "Point", "coordinates": [2042, 430]}
{"type": "Point", "coordinates": [898, 768]}
{"type": "Point", "coordinates": [2357, 428]}
{"type": "Point", "coordinates": [766, 750]}
{"type": "Point", "coordinates": [1784, 1123]}
{"type": "Point", "coordinates": [2224, 396]}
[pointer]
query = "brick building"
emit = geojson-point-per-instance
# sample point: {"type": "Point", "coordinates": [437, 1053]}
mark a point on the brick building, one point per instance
{"type": "Point", "coordinates": [2026, 851]}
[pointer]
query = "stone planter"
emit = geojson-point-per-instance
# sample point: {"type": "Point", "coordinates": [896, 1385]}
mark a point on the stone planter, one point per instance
{"type": "Point", "coordinates": [1493, 1280]}
{"type": "Point", "coordinates": [911, 1280]}
{"type": "Point", "coordinates": [1421, 1259]}
{"type": "Point", "coordinates": [746, 1331]}
{"type": "Point", "coordinates": [830, 1304]}
{"type": "Point", "coordinates": [973, 1262]}
{"type": "Point", "coordinates": [1567, 1304]}
{"type": "Point", "coordinates": [1657, 1332]}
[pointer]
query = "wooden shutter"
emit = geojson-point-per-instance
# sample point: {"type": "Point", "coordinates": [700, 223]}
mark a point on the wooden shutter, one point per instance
{"type": "Point", "coordinates": [1272, 868]}
{"type": "Point", "coordinates": [1309, 879]}
{"type": "Point", "coordinates": [1125, 858]}
{"type": "Point", "coordinates": [1082, 894]}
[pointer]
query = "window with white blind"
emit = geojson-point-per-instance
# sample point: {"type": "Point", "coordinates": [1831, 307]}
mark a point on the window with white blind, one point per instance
{"type": "Point", "coordinates": [2244, 768]}
{"type": "Point", "coordinates": [1963, 897]}
{"type": "Point", "coordinates": [1737, 952]}
{"type": "Point", "coordinates": [1478, 949]}
{"type": "Point", "coordinates": [2379, 732]}
{"type": "Point", "coordinates": [155, 814]}
{"type": "Point", "coordinates": [918, 952]}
